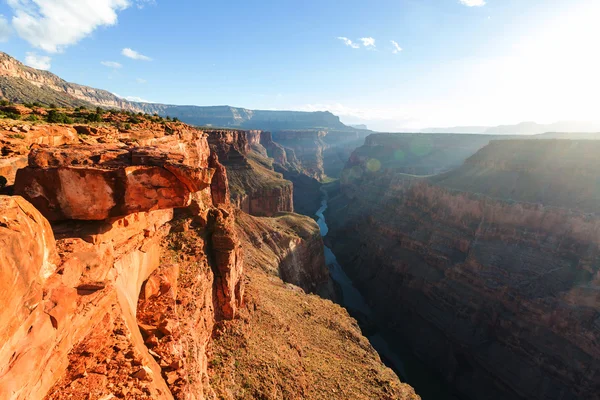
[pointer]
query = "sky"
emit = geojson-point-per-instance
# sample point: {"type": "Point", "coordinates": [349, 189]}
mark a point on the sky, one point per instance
{"type": "Point", "coordinates": [390, 64]}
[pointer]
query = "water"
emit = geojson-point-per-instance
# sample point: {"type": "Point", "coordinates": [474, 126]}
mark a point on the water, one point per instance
{"type": "Point", "coordinates": [399, 358]}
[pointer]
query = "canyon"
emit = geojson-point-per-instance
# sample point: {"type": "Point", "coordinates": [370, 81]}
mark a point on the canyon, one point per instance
{"type": "Point", "coordinates": [491, 266]}
{"type": "Point", "coordinates": [147, 258]}
{"type": "Point", "coordinates": [145, 278]}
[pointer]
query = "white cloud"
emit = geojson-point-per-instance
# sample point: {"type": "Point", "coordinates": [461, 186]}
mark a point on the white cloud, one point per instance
{"type": "Point", "coordinates": [52, 25]}
{"type": "Point", "coordinates": [473, 3]}
{"type": "Point", "coordinates": [368, 42]}
{"type": "Point", "coordinates": [397, 48]}
{"type": "Point", "coordinates": [36, 61]}
{"type": "Point", "coordinates": [111, 64]}
{"type": "Point", "coordinates": [143, 3]}
{"type": "Point", "coordinates": [141, 81]}
{"type": "Point", "coordinates": [4, 29]}
{"type": "Point", "coordinates": [349, 42]}
{"type": "Point", "coordinates": [133, 98]}
{"type": "Point", "coordinates": [127, 52]}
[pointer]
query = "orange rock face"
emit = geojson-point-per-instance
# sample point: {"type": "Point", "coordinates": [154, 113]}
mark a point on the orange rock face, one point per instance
{"type": "Point", "coordinates": [95, 183]}
{"type": "Point", "coordinates": [23, 231]}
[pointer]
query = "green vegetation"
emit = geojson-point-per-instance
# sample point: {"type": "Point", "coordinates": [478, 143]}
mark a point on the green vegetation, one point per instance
{"type": "Point", "coordinates": [56, 117]}
{"type": "Point", "coordinates": [17, 136]}
{"type": "Point", "coordinates": [94, 117]}
{"type": "Point", "coordinates": [10, 115]}
{"type": "Point", "coordinates": [32, 118]}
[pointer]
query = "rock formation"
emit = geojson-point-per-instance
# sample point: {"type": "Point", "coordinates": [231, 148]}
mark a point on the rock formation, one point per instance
{"type": "Point", "coordinates": [135, 288]}
{"type": "Point", "coordinates": [253, 184]}
{"type": "Point", "coordinates": [492, 267]}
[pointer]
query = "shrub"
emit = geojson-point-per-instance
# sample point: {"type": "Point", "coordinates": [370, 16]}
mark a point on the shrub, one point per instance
{"type": "Point", "coordinates": [94, 117]}
{"type": "Point", "coordinates": [51, 105]}
{"type": "Point", "coordinates": [128, 126]}
{"type": "Point", "coordinates": [12, 116]}
{"type": "Point", "coordinates": [134, 120]}
{"type": "Point", "coordinates": [32, 118]}
{"type": "Point", "coordinates": [17, 136]}
{"type": "Point", "coordinates": [56, 117]}
{"type": "Point", "coordinates": [4, 103]}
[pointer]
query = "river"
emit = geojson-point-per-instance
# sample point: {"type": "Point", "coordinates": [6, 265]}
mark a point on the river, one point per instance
{"type": "Point", "coordinates": [408, 368]}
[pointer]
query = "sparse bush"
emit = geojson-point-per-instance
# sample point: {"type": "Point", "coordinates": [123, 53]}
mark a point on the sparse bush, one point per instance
{"type": "Point", "coordinates": [134, 120]}
{"type": "Point", "coordinates": [51, 105]}
{"type": "Point", "coordinates": [32, 118]}
{"type": "Point", "coordinates": [12, 116]}
{"type": "Point", "coordinates": [37, 104]}
{"type": "Point", "coordinates": [128, 126]}
{"type": "Point", "coordinates": [94, 117]}
{"type": "Point", "coordinates": [17, 136]}
{"type": "Point", "coordinates": [175, 119]}
{"type": "Point", "coordinates": [56, 117]}
{"type": "Point", "coordinates": [4, 103]}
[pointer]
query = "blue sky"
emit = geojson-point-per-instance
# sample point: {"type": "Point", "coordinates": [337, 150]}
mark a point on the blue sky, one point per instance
{"type": "Point", "coordinates": [462, 62]}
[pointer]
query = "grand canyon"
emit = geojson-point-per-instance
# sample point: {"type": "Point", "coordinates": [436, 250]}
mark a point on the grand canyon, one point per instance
{"type": "Point", "coordinates": [157, 251]}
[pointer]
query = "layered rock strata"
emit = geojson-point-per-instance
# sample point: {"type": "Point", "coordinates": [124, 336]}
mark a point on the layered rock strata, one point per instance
{"type": "Point", "coordinates": [253, 184]}
{"type": "Point", "coordinates": [500, 296]}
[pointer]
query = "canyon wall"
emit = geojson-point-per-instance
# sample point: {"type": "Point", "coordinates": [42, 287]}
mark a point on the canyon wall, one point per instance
{"type": "Point", "coordinates": [254, 185]}
{"type": "Point", "coordinates": [79, 324]}
{"type": "Point", "coordinates": [136, 287]}
{"type": "Point", "coordinates": [492, 268]}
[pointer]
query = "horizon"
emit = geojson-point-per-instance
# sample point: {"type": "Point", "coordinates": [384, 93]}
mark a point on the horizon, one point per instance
{"type": "Point", "coordinates": [406, 66]}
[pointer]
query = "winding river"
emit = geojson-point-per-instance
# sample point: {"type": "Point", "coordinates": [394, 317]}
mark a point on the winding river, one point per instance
{"type": "Point", "coordinates": [400, 359]}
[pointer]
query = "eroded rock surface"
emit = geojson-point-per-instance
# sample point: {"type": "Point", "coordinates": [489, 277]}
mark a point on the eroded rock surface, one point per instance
{"type": "Point", "coordinates": [500, 296]}
{"type": "Point", "coordinates": [95, 183]}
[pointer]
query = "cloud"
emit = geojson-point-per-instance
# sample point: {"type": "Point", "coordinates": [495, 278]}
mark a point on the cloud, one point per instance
{"type": "Point", "coordinates": [111, 64]}
{"type": "Point", "coordinates": [141, 81]}
{"type": "Point", "coordinates": [36, 61]}
{"type": "Point", "coordinates": [4, 29]}
{"type": "Point", "coordinates": [127, 52]}
{"type": "Point", "coordinates": [368, 42]}
{"type": "Point", "coordinates": [397, 48]}
{"type": "Point", "coordinates": [143, 3]}
{"type": "Point", "coordinates": [349, 42]}
{"type": "Point", "coordinates": [133, 98]}
{"type": "Point", "coordinates": [52, 25]}
{"type": "Point", "coordinates": [473, 3]}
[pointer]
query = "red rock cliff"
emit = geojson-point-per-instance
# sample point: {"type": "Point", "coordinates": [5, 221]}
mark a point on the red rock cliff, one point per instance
{"type": "Point", "coordinates": [500, 296]}
{"type": "Point", "coordinates": [254, 186]}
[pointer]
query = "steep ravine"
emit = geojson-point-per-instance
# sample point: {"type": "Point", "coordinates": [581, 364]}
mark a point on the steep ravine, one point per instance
{"type": "Point", "coordinates": [395, 355]}
{"type": "Point", "coordinates": [493, 285]}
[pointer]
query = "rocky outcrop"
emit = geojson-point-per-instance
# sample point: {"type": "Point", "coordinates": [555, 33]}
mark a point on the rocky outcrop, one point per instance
{"type": "Point", "coordinates": [71, 310]}
{"type": "Point", "coordinates": [308, 147]}
{"type": "Point", "coordinates": [291, 248]}
{"type": "Point", "coordinates": [500, 296]}
{"type": "Point", "coordinates": [130, 306]}
{"type": "Point", "coordinates": [287, 344]}
{"type": "Point", "coordinates": [95, 183]}
{"type": "Point", "coordinates": [254, 186]}
{"type": "Point", "coordinates": [87, 294]}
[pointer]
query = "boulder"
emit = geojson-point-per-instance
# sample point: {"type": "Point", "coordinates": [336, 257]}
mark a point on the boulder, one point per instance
{"type": "Point", "coordinates": [106, 181]}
